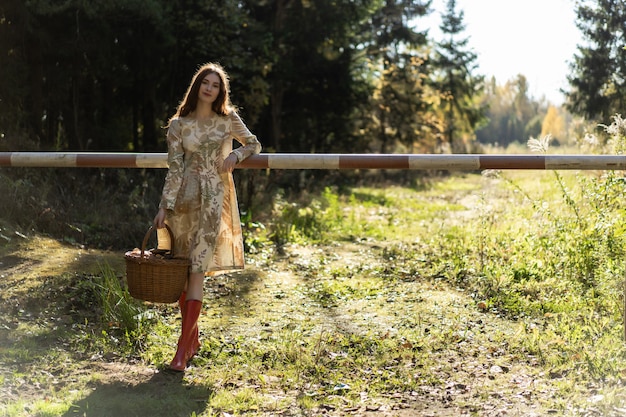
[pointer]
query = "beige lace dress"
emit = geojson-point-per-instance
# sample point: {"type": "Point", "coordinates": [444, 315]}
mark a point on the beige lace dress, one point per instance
{"type": "Point", "coordinates": [200, 199]}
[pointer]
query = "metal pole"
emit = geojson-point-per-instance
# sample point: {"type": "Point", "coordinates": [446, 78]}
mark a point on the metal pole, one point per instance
{"type": "Point", "coordinates": [328, 161]}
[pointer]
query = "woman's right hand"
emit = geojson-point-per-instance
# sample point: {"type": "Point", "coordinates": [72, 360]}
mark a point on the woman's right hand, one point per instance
{"type": "Point", "coordinates": [159, 219]}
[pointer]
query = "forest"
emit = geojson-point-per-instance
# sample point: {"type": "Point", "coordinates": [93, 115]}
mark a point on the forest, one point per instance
{"type": "Point", "coordinates": [325, 76]}
{"type": "Point", "coordinates": [308, 76]}
{"type": "Point", "coordinates": [371, 293]}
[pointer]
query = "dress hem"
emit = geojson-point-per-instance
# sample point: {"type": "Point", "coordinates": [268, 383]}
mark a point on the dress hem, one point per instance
{"type": "Point", "coordinates": [223, 270]}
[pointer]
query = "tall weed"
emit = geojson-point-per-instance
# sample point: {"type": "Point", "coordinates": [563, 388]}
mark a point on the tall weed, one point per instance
{"type": "Point", "coordinates": [103, 208]}
{"type": "Point", "coordinates": [125, 322]}
{"type": "Point", "coordinates": [314, 221]}
{"type": "Point", "coordinates": [551, 257]}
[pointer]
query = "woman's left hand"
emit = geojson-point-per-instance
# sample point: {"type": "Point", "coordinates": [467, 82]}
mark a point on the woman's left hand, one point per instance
{"type": "Point", "coordinates": [229, 163]}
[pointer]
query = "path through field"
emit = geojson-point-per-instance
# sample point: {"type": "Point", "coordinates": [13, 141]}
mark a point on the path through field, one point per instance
{"type": "Point", "coordinates": [296, 293]}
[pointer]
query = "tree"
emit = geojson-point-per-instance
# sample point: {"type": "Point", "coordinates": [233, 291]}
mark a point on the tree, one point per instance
{"type": "Point", "coordinates": [86, 73]}
{"type": "Point", "coordinates": [513, 116]}
{"type": "Point", "coordinates": [313, 90]}
{"type": "Point", "coordinates": [598, 73]}
{"type": "Point", "coordinates": [460, 87]}
{"type": "Point", "coordinates": [554, 124]}
{"type": "Point", "coordinates": [108, 75]}
{"type": "Point", "coordinates": [307, 76]}
{"type": "Point", "coordinates": [397, 112]}
{"type": "Point", "coordinates": [14, 75]}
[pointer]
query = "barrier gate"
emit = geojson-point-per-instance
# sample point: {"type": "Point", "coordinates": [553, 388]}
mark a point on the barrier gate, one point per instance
{"type": "Point", "coordinates": [456, 162]}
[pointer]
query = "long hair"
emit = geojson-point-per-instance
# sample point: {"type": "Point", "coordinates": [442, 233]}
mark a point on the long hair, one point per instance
{"type": "Point", "coordinates": [221, 105]}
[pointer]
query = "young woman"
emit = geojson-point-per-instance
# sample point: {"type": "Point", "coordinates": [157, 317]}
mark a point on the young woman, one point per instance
{"type": "Point", "coordinates": [199, 202]}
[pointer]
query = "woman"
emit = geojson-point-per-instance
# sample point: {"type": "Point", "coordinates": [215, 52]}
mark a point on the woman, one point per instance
{"type": "Point", "coordinates": [199, 202]}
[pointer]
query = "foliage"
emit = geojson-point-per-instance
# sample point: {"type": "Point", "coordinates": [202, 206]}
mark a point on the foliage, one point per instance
{"type": "Point", "coordinates": [313, 91]}
{"type": "Point", "coordinates": [321, 76]}
{"type": "Point", "coordinates": [324, 76]}
{"type": "Point", "coordinates": [460, 88]}
{"type": "Point", "coordinates": [95, 207]}
{"type": "Point", "coordinates": [479, 286]}
{"type": "Point", "coordinates": [554, 125]}
{"type": "Point", "coordinates": [107, 75]}
{"type": "Point", "coordinates": [513, 116]}
{"type": "Point", "coordinates": [124, 323]}
{"type": "Point", "coordinates": [397, 110]}
{"type": "Point", "coordinates": [598, 72]}
{"type": "Point", "coordinates": [314, 221]}
{"type": "Point", "coordinates": [118, 307]}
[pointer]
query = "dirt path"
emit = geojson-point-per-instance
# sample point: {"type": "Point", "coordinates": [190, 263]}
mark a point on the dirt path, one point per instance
{"type": "Point", "coordinates": [480, 378]}
{"type": "Point", "coordinates": [463, 364]}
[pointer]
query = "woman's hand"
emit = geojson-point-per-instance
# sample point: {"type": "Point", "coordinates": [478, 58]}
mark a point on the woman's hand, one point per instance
{"type": "Point", "coordinates": [159, 219]}
{"type": "Point", "coordinates": [229, 163]}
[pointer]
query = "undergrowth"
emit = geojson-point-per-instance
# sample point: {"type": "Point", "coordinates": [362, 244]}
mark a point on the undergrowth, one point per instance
{"type": "Point", "coordinates": [551, 258]}
{"type": "Point", "coordinates": [544, 257]}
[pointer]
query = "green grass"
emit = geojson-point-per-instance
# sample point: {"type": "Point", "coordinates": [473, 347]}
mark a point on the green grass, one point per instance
{"type": "Point", "coordinates": [501, 290]}
{"type": "Point", "coordinates": [395, 313]}
{"type": "Point", "coordinates": [540, 248]}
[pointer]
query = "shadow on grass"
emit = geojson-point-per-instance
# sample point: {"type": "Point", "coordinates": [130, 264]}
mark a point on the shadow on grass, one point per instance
{"type": "Point", "coordinates": [164, 394]}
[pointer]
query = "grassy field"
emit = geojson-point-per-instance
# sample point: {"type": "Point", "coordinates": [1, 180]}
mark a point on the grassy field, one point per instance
{"type": "Point", "coordinates": [475, 295]}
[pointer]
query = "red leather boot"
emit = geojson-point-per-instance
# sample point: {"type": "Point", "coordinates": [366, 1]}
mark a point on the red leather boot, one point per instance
{"type": "Point", "coordinates": [185, 351]}
{"type": "Point", "coordinates": [181, 305]}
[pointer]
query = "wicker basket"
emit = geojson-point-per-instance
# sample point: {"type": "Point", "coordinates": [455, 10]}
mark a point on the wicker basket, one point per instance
{"type": "Point", "coordinates": [156, 276]}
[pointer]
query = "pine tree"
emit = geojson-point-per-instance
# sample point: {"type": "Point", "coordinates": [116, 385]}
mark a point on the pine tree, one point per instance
{"type": "Point", "coordinates": [398, 113]}
{"type": "Point", "coordinates": [598, 79]}
{"type": "Point", "coordinates": [460, 87]}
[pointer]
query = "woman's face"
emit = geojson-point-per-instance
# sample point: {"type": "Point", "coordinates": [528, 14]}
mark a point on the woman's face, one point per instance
{"type": "Point", "coordinates": [209, 89]}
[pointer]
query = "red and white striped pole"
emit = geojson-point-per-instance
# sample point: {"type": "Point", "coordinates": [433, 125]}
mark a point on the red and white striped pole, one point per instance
{"type": "Point", "coordinates": [328, 161]}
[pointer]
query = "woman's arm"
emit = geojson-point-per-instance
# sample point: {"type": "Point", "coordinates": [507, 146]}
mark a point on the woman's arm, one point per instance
{"type": "Point", "coordinates": [249, 143]}
{"type": "Point", "coordinates": [176, 166]}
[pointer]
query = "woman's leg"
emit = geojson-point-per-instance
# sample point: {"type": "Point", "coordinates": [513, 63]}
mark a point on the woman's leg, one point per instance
{"type": "Point", "coordinates": [195, 286]}
{"type": "Point", "coordinates": [181, 305]}
{"type": "Point", "coordinates": [196, 283]}
{"type": "Point", "coordinates": [188, 342]}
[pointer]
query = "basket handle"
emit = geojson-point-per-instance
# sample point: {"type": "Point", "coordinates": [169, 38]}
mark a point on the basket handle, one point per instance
{"type": "Point", "coordinates": [147, 236]}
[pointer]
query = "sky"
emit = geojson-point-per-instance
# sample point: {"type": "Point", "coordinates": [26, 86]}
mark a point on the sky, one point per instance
{"type": "Point", "coordinates": [535, 38]}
